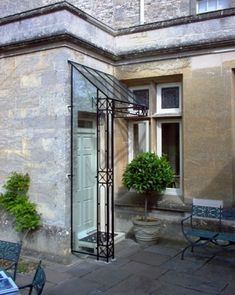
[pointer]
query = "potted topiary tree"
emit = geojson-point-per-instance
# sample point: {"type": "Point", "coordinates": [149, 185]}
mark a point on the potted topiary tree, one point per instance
{"type": "Point", "coordinates": [146, 174]}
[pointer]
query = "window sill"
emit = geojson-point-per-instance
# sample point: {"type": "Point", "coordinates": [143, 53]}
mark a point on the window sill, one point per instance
{"type": "Point", "coordinates": [211, 11]}
{"type": "Point", "coordinates": [167, 115]}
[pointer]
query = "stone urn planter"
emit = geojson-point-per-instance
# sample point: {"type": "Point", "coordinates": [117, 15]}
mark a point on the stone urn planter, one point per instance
{"type": "Point", "coordinates": [147, 173]}
{"type": "Point", "coordinates": [147, 232]}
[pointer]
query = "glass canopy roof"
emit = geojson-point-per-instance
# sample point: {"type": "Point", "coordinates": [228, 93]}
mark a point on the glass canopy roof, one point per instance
{"type": "Point", "coordinates": [110, 87]}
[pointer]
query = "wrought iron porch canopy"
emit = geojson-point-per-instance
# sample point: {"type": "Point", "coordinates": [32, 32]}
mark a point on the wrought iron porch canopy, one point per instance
{"type": "Point", "coordinates": [126, 103]}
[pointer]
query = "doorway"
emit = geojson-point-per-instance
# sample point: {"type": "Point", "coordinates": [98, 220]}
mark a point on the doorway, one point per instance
{"type": "Point", "coordinates": [85, 192]}
{"type": "Point", "coordinates": [84, 181]}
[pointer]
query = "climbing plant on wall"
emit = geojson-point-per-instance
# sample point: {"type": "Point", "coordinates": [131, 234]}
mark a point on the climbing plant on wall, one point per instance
{"type": "Point", "coordinates": [16, 202]}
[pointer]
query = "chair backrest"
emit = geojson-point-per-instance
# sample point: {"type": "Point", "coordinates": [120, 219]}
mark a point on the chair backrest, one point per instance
{"type": "Point", "coordinates": [211, 209]}
{"type": "Point", "coordinates": [39, 280]}
{"type": "Point", "coordinates": [10, 251]}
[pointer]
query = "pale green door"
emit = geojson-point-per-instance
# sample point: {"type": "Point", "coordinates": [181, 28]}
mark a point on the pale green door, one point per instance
{"type": "Point", "coordinates": [85, 190]}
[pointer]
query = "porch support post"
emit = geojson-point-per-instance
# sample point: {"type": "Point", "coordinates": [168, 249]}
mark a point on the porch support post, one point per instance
{"type": "Point", "coordinates": [105, 191]}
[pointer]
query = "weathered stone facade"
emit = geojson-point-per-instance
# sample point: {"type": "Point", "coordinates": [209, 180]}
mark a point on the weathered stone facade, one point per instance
{"type": "Point", "coordinates": [115, 13]}
{"type": "Point", "coordinates": [175, 45]}
{"type": "Point", "coordinates": [207, 128]}
{"type": "Point", "coordinates": [34, 113]}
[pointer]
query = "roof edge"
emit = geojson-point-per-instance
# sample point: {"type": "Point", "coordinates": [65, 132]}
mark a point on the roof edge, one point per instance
{"type": "Point", "coordinates": [64, 5]}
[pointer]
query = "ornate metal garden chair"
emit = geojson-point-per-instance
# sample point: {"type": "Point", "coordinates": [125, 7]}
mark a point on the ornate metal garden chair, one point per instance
{"type": "Point", "coordinates": [204, 212]}
{"type": "Point", "coordinates": [38, 281]}
{"type": "Point", "coordinates": [10, 254]}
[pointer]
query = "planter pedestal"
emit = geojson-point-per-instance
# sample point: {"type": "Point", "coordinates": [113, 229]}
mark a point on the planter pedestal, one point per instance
{"type": "Point", "coordinates": [147, 232]}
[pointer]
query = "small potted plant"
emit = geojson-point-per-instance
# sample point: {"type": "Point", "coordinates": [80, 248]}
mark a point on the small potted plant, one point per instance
{"type": "Point", "coordinates": [146, 174]}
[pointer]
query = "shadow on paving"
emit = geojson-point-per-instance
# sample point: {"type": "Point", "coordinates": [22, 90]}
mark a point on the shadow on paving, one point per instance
{"type": "Point", "coordinates": [151, 270]}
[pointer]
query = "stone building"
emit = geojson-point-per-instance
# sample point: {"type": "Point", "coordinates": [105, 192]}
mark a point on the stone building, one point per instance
{"type": "Point", "coordinates": [59, 60]}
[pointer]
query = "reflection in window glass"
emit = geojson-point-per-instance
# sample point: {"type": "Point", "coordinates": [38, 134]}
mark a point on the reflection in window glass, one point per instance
{"type": "Point", "coordinates": [170, 98]}
{"type": "Point", "coordinates": [84, 93]}
{"type": "Point", "coordinates": [211, 5]}
{"type": "Point", "coordinates": [202, 6]}
{"type": "Point", "coordinates": [85, 124]}
{"type": "Point", "coordinates": [171, 148]}
{"type": "Point", "coordinates": [139, 138]}
{"type": "Point", "coordinates": [142, 96]}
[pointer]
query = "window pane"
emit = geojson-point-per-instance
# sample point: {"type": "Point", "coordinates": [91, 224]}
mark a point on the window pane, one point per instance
{"type": "Point", "coordinates": [212, 5]}
{"type": "Point", "coordinates": [202, 6]}
{"type": "Point", "coordinates": [142, 96]}
{"type": "Point", "coordinates": [84, 93]}
{"type": "Point", "coordinates": [85, 124]}
{"type": "Point", "coordinates": [171, 147]}
{"type": "Point", "coordinates": [170, 98]}
{"type": "Point", "coordinates": [222, 4]}
{"type": "Point", "coordinates": [139, 138]}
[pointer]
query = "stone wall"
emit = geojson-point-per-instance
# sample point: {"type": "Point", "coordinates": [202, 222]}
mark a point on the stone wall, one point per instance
{"type": "Point", "coordinates": [208, 128]}
{"type": "Point", "coordinates": [126, 13]}
{"type": "Point", "coordinates": [102, 10]}
{"type": "Point", "coordinates": [34, 132]}
{"type": "Point", "coordinates": [158, 10]}
{"type": "Point", "coordinates": [207, 151]}
{"type": "Point", "coordinates": [115, 13]}
{"type": "Point", "coordinates": [35, 139]}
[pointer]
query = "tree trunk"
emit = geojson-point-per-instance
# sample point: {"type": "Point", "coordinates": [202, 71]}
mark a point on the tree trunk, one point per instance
{"type": "Point", "coordinates": [145, 208]}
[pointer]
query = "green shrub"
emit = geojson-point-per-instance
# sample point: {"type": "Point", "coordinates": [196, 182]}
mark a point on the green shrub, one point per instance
{"type": "Point", "coordinates": [16, 202]}
{"type": "Point", "coordinates": [148, 173]}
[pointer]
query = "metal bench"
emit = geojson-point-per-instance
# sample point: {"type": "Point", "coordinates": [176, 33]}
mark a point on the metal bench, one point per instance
{"type": "Point", "coordinates": [10, 254]}
{"type": "Point", "coordinates": [204, 213]}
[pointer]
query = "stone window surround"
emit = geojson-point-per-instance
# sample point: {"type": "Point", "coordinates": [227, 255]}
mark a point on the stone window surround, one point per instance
{"type": "Point", "coordinates": [154, 122]}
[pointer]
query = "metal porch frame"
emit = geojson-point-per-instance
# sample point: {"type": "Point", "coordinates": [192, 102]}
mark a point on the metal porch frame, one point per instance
{"type": "Point", "coordinates": [113, 100]}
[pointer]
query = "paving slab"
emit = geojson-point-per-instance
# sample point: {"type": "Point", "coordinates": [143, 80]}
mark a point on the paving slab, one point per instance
{"type": "Point", "coordinates": [168, 289]}
{"type": "Point", "coordinates": [134, 285]}
{"type": "Point", "coordinates": [149, 258]}
{"type": "Point", "coordinates": [229, 289]}
{"type": "Point", "coordinates": [186, 265]}
{"type": "Point", "coordinates": [57, 277]}
{"type": "Point", "coordinates": [144, 270]}
{"type": "Point", "coordinates": [217, 272]}
{"type": "Point", "coordinates": [126, 248]}
{"type": "Point", "coordinates": [139, 270]}
{"type": "Point", "coordinates": [73, 286]}
{"type": "Point", "coordinates": [194, 282]}
{"type": "Point", "coordinates": [222, 260]}
{"type": "Point", "coordinates": [106, 278]}
{"type": "Point", "coordinates": [163, 250]}
{"type": "Point", "coordinates": [82, 269]}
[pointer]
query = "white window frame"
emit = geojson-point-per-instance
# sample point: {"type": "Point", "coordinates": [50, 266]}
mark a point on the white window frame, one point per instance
{"type": "Point", "coordinates": [159, 109]}
{"type": "Point", "coordinates": [225, 4]}
{"type": "Point", "coordinates": [141, 12]}
{"type": "Point", "coordinates": [131, 138]}
{"type": "Point", "coordinates": [170, 191]}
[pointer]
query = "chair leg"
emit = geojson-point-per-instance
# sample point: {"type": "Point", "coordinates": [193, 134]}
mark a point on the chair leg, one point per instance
{"type": "Point", "coordinates": [30, 290]}
{"type": "Point", "coordinates": [182, 253]}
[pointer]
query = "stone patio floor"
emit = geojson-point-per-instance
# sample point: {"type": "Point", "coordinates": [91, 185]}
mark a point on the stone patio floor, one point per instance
{"type": "Point", "coordinates": [151, 270]}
